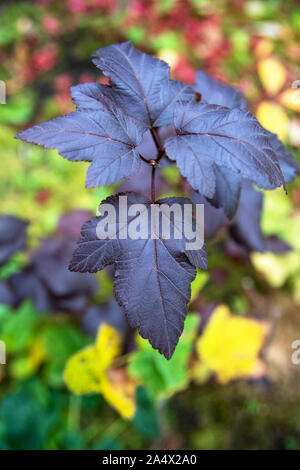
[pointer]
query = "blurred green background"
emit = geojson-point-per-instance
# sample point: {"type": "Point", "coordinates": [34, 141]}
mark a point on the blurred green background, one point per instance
{"type": "Point", "coordinates": [243, 394]}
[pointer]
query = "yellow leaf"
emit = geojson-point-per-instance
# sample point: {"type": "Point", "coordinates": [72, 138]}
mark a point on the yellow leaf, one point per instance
{"type": "Point", "coordinates": [23, 367]}
{"type": "Point", "coordinates": [290, 98]}
{"type": "Point", "coordinates": [276, 268]}
{"type": "Point", "coordinates": [83, 372]}
{"type": "Point", "coordinates": [91, 371]}
{"type": "Point", "coordinates": [230, 345]}
{"type": "Point", "coordinates": [108, 344]}
{"type": "Point", "coordinates": [119, 390]}
{"type": "Point", "coordinates": [273, 117]}
{"type": "Point", "coordinates": [272, 74]}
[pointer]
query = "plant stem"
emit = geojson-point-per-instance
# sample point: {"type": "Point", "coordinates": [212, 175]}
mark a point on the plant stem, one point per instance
{"type": "Point", "coordinates": [156, 139]}
{"type": "Point", "coordinates": [144, 159]}
{"type": "Point", "coordinates": [154, 162]}
{"type": "Point", "coordinates": [160, 149]}
{"type": "Point", "coordinates": [153, 184]}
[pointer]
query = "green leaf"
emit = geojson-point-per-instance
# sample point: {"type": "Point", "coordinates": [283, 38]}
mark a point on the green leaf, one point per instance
{"type": "Point", "coordinates": [59, 343]}
{"type": "Point", "coordinates": [136, 34]}
{"type": "Point", "coordinates": [18, 109]}
{"type": "Point", "coordinates": [162, 377]}
{"type": "Point", "coordinates": [167, 40]}
{"type": "Point", "coordinates": [17, 328]}
{"type": "Point", "coordinates": [145, 419]}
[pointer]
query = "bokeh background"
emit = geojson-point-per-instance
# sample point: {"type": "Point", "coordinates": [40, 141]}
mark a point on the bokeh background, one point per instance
{"type": "Point", "coordinates": [76, 376]}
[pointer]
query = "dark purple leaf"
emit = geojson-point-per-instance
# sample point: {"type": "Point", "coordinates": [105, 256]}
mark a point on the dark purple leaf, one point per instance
{"type": "Point", "coordinates": [228, 188]}
{"type": "Point", "coordinates": [228, 183]}
{"type": "Point", "coordinates": [289, 166]}
{"type": "Point", "coordinates": [75, 303]}
{"type": "Point", "coordinates": [236, 251]}
{"type": "Point", "coordinates": [107, 138]}
{"type": "Point", "coordinates": [69, 225]}
{"type": "Point", "coordinates": [26, 285]}
{"type": "Point", "coordinates": [209, 135]}
{"type": "Point", "coordinates": [152, 277]}
{"type": "Point", "coordinates": [246, 229]}
{"type": "Point", "coordinates": [214, 218]}
{"type": "Point", "coordinates": [142, 83]}
{"type": "Point", "coordinates": [109, 312]}
{"type": "Point", "coordinates": [49, 284]}
{"type": "Point", "coordinates": [12, 236]}
{"type": "Point", "coordinates": [147, 146]}
{"type": "Point", "coordinates": [6, 294]}
{"type": "Point", "coordinates": [275, 244]}
{"type": "Point", "coordinates": [50, 263]}
{"type": "Point", "coordinates": [140, 182]}
{"type": "Point", "coordinates": [165, 132]}
{"type": "Point", "coordinates": [214, 91]}
{"type": "Point", "coordinates": [93, 96]}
